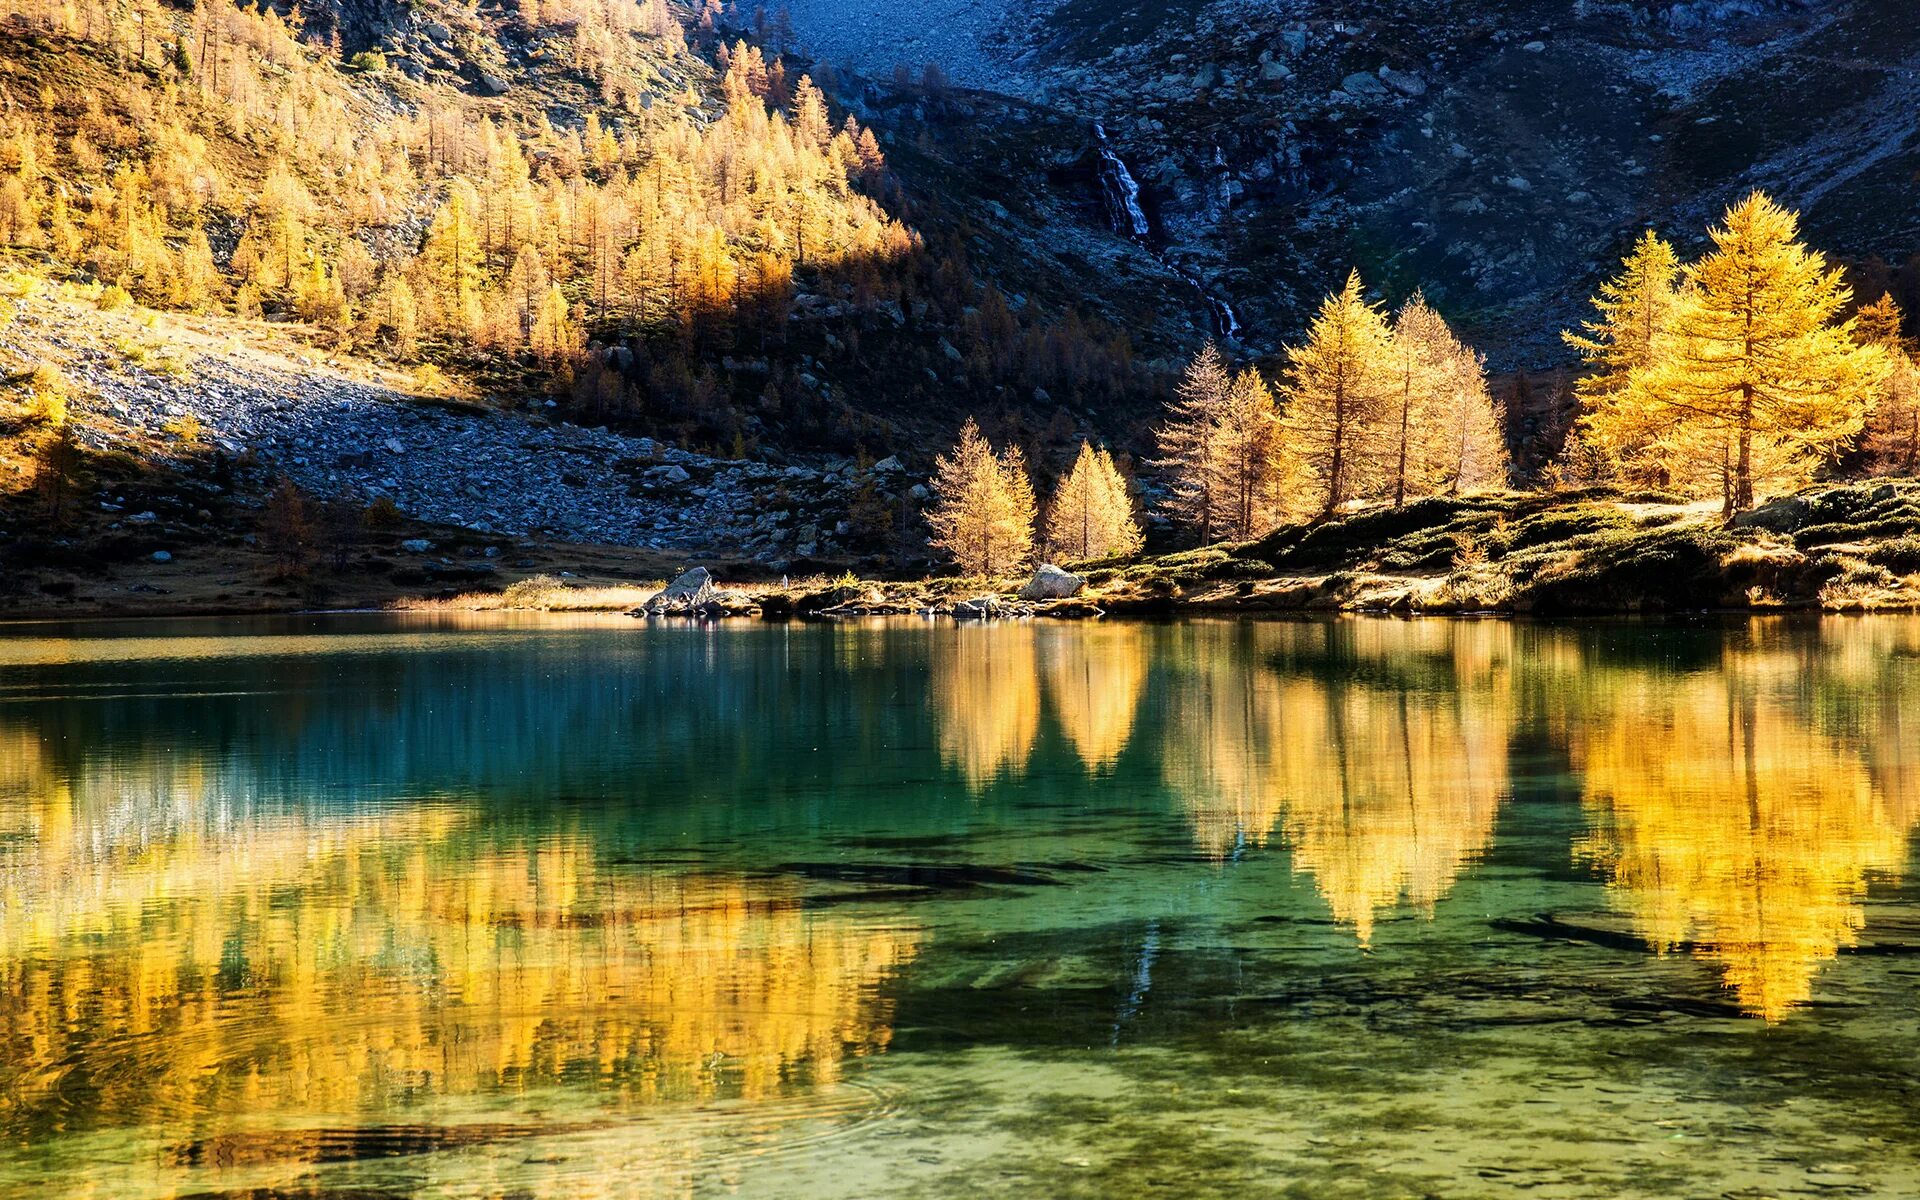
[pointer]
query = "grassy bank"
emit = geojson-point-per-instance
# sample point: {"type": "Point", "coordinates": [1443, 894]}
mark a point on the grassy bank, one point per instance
{"type": "Point", "coordinates": [1853, 547]}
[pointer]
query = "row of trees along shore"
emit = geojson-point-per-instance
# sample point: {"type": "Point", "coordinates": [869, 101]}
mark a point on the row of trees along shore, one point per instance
{"type": "Point", "coordinates": [1725, 378]}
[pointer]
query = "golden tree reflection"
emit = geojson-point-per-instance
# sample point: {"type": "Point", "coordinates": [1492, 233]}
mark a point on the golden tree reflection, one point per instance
{"type": "Point", "coordinates": [1095, 677]}
{"type": "Point", "coordinates": [1391, 796]}
{"type": "Point", "coordinates": [1726, 822]}
{"type": "Point", "coordinates": [1384, 788]}
{"type": "Point", "coordinates": [986, 699]}
{"type": "Point", "coordinates": [305, 963]}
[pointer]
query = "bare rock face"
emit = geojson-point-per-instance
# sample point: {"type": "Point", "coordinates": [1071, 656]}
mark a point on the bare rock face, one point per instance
{"type": "Point", "coordinates": [692, 592]}
{"type": "Point", "coordinates": [1052, 583]}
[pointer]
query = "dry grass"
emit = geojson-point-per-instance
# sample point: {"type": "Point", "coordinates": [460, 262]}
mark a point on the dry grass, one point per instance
{"type": "Point", "coordinates": [540, 593]}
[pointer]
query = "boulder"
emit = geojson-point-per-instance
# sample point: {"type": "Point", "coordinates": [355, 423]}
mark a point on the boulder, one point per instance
{"type": "Point", "coordinates": [1361, 85]}
{"type": "Point", "coordinates": [979, 608]}
{"type": "Point", "coordinates": [1052, 583]}
{"type": "Point", "coordinates": [416, 545]}
{"type": "Point", "coordinates": [493, 85]}
{"type": "Point", "coordinates": [691, 591]}
{"type": "Point", "coordinates": [1784, 515]}
{"type": "Point", "coordinates": [1404, 82]}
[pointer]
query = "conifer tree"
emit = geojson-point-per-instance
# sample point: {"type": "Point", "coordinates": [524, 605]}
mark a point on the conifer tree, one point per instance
{"type": "Point", "coordinates": [1755, 368]}
{"type": "Point", "coordinates": [1442, 431]}
{"type": "Point", "coordinates": [1189, 442]}
{"type": "Point", "coordinates": [1336, 396]}
{"type": "Point", "coordinates": [983, 506]}
{"type": "Point", "coordinates": [1635, 306]}
{"type": "Point", "coordinates": [1252, 468]}
{"type": "Point", "coordinates": [1091, 515]}
{"type": "Point", "coordinates": [1893, 419]}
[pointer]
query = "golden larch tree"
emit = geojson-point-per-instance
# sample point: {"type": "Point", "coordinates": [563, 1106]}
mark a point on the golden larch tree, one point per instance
{"type": "Point", "coordinates": [1253, 468]}
{"type": "Point", "coordinates": [1092, 515]}
{"type": "Point", "coordinates": [1442, 430]}
{"type": "Point", "coordinates": [1755, 372]}
{"type": "Point", "coordinates": [1336, 396]}
{"type": "Point", "coordinates": [1634, 307]}
{"type": "Point", "coordinates": [983, 507]}
{"type": "Point", "coordinates": [1893, 420]}
{"type": "Point", "coordinates": [1189, 445]}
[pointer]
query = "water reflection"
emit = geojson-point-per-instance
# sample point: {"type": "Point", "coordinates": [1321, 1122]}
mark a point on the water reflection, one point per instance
{"type": "Point", "coordinates": [1378, 751]}
{"type": "Point", "coordinates": [1729, 820]}
{"type": "Point", "coordinates": [457, 889]}
{"type": "Point", "coordinates": [172, 954]}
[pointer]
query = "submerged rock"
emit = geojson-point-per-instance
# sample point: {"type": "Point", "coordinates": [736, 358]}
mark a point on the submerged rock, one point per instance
{"type": "Point", "coordinates": [1052, 583]}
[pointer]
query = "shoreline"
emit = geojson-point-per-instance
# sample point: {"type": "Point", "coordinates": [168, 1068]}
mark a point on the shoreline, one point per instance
{"type": "Point", "coordinates": [1832, 549]}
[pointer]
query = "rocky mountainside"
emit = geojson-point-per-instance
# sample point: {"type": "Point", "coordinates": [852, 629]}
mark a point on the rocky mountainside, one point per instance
{"type": "Point", "coordinates": [1498, 155]}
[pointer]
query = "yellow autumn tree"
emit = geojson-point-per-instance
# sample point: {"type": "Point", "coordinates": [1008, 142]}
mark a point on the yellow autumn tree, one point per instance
{"type": "Point", "coordinates": [1442, 432]}
{"type": "Point", "coordinates": [1252, 466]}
{"type": "Point", "coordinates": [1091, 515]}
{"type": "Point", "coordinates": [983, 506]}
{"type": "Point", "coordinates": [1756, 381]}
{"type": "Point", "coordinates": [1634, 307]}
{"type": "Point", "coordinates": [1336, 397]}
{"type": "Point", "coordinates": [1893, 421]}
{"type": "Point", "coordinates": [1189, 445]}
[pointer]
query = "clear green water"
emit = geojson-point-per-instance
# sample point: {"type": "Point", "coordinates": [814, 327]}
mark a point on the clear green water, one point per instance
{"type": "Point", "coordinates": [366, 907]}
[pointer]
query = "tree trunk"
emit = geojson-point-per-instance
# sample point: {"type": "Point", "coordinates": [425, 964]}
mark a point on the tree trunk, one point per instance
{"type": "Point", "coordinates": [1743, 462]}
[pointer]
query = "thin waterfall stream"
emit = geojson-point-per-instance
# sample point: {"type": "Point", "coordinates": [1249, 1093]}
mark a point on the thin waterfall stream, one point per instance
{"type": "Point", "coordinates": [1122, 194]}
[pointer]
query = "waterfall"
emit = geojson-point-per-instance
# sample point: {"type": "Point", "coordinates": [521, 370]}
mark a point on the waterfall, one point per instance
{"type": "Point", "coordinates": [1122, 191]}
{"type": "Point", "coordinates": [1122, 194]}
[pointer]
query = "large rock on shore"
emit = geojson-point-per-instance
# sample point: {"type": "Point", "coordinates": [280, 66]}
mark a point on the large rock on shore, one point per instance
{"type": "Point", "coordinates": [1052, 583]}
{"type": "Point", "coordinates": [693, 591]}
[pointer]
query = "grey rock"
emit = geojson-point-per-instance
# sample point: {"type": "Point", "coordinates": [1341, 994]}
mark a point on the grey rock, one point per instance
{"type": "Point", "coordinates": [888, 465]}
{"type": "Point", "coordinates": [1275, 71]}
{"type": "Point", "coordinates": [162, 556]}
{"type": "Point", "coordinates": [416, 545]}
{"type": "Point", "coordinates": [1052, 583]}
{"type": "Point", "coordinates": [1404, 82]}
{"type": "Point", "coordinates": [692, 590]}
{"type": "Point", "coordinates": [979, 608]}
{"type": "Point", "coordinates": [1783, 515]}
{"type": "Point", "coordinates": [1362, 85]}
{"type": "Point", "coordinates": [668, 474]}
{"type": "Point", "coordinates": [493, 85]}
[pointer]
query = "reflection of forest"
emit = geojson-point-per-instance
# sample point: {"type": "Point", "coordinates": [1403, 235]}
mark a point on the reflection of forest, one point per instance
{"type": "Point", "coordinates": [1743, 810]}
{"type": "Point", "coordinates": [1378, 750]}
{"type": "Point", "coordinates": [322, 963]}
{"type": "Point", "coordinates": [219, 846]}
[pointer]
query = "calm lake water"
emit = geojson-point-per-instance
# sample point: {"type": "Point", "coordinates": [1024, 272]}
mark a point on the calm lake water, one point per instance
{"type": "Point", "coordinates": [371, 907]}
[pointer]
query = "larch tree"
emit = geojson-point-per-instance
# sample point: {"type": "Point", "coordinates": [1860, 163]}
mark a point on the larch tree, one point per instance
{"type": "Point", "coordinates": [1252, 466]}
{"type": "Point", "coordinates": [1336, 396]}
{"type": "Point", "coordinates": [1755, 368]}
{"type": "Point", "coordinates": [1092, 515]}
{"type": "Point", "coordinates": [1443, 431]}
{"type": "Point", "coordinates": [1189, 442]}
{"type": "Point", "coordinates": [983, 506]}
{"type": "Point", "coordinates": [1635, 308]}
{"type": "Point", "coordinates": [1893, 420]}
